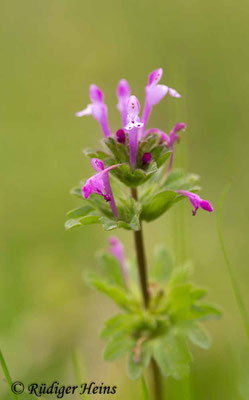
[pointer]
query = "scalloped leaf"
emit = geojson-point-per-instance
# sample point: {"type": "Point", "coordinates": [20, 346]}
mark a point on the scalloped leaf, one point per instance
{"type": "Point", "coordinates": [198, 335]}
{"type": "Point", "coordinates": [118, 295]}
{"type": "Point", "coordinates": [117, 347]}
{"type": "Point", "coordinates": [172, 355]}
{"type": "Point", "coordinates": [136, 368]}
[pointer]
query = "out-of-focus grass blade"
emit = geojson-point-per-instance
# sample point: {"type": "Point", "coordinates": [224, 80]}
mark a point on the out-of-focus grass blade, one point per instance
{"type": "Point", "coordinates": [230, 268]}
{"type": "Point", "coordinates": [7, 374]}
{"type": "Point", "coordinates": [76, 368]}
{"type": "Point", "coordinates": [145, 390]}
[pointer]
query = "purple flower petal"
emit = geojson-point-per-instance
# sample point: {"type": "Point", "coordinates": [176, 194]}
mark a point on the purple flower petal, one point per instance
{"type": "Point", "coordinates": [154, 94]}
{"type": "Point", "coordinates": [97, 109]}
{"type": "Point", "coordinates": [100, 184]}
{"type": "Point", "coordinates": [155, 76]}
{"type": "Point", "coordinates": [196, 201]}
{"type": "Point", "coordinates": [174, 93]}
{"type": "Point", "coordinates": [96, 95]}
{"type": "Point", "coordinates": [97, 164]}
{"type": "Point", "coordinates": [123, 94]}
{"type": "Point", "coordinates": [117, 250]}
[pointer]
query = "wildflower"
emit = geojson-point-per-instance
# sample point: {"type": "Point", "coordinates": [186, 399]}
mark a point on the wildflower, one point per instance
{"type": "Point", "coordinates": [169, 139]}
{"type": "Point", "coordinates": [117, 250]}
{"type": "Point", "coordinates": [154, 93]}
{"type": "Point", "coordinates": [97, 109]}
{"type": "Point", "coordinates": [134, 123]}
{"type": "Point", "coordinates": [123, 94]}
{"type": "Point", "coordinates": [146, 158]}
{"type": "Point", "coordinates": [121, 136]}
{"type": "Point", "coordinates": [100, 184]}
{"type": "Point", "coordinates": [196, 201]}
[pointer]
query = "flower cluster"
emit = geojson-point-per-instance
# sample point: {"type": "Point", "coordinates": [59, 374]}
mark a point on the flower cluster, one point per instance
{"type": "Point", "coordinates": [134, 154]}
{"type": "Point", "coordinates": [159, 323]}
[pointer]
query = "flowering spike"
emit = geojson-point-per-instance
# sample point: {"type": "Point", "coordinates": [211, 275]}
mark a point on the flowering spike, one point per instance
{"type": "Point", "coordinates": [100, 184]}
{"type": "Point", "coordinates": [117, 250]}
{"type": "Point", "coordinates": [123, 94]}
{"type": "Point", "coordinates": [134, 123]}
{"type": "Point", "coordinates": [196, 201]}
{"type": "Point", "coordinates": [121, 136]}
{"type": "Point", "coordinates": [97, 109]}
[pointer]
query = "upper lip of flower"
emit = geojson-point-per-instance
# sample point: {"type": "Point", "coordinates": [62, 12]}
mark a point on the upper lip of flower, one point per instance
{"type": "Point", "coordinates": [97, 109]}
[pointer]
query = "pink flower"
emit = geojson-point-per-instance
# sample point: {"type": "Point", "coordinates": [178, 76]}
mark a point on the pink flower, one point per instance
{"type": "Point", "coordinates": [134, 123]}
{"type": "Point", "coordinates": [123, 94]}
{"type": "Point", "coordinates": [154, 93]}
{"type": "Point", "coordinates": [196, 201]}
{"type": "Point", "coordinates": [117, 250]}
{"type": "Point", "coordinates": [97, 109]}
{"type": "Point", "coordinates": [169, 139]}
{"type": "Point", "coordinates": [100, 184]}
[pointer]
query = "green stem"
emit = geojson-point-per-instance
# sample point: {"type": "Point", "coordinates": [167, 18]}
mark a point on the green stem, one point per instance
{"type": "Point", "coordinates": [141, 259]}
{"type": "Point", "coordinates": [230, 268]}
{"type": "Point", "coordinates": [7, 374]}
{"type": "Point", "coordinates": [142, 268]}
{"type": "Point", "coordinates": [145, 390]}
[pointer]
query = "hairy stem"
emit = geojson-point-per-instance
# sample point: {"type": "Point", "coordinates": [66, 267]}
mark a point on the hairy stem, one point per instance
{"type": "Point", "coordinates": [142, 267]}
{"type": "Point", "coordinates": [141, 260]}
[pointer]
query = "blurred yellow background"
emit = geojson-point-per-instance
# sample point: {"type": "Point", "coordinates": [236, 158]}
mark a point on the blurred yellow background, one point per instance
{"type": "Point", "coordinates": [51, 51]}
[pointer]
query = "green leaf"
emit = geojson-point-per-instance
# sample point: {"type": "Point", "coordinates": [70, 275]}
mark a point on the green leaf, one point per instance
{"type": "Point", "coordinates": [117, 347]}
{"type": "Point", "coordinates": [116, 294]}
{"type": "Point", "coordinates": [133, 178]}
{"type": "Point", "coordinates": [160, 203]}
{"type": "Point", "coordinates": [136, 368]}
{"type": "Point", "coordinates": [111, 269]}
{"type": "Point", "coordinates": [108, 223]}
{"type": "Point", "coordinates": [205, 312]}
{"type": "Point", "coordinates": [172, 355]}
{"type": "Point", "coordinates": [178, 180]}
{"type": "Point", "coordinates": [95, 154]}
{"type": "Point", "coordinates": [161, 160]}
{"type": "Point", "coordinates": [198, 294]}
{"type": "Point", "coordinates": [118, 323]}
{"type": "Point", "coordinates": [80, 212]}
{"type": "Point", "coordinates": [181, 274]}
{"type": "Point", "coordinates": [180, 301]}
{"type": "Point", "coordinates": [88, 220]}
{"type": "Point", "coordinates": [163, 266]}
{"type": "Point", "coordinates": [76, 191]}
{"type": "Point", "coordinates": [199, 336]}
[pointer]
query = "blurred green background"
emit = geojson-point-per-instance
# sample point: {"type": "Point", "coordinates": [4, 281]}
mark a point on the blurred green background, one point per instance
{"type": "Point", "coordinates": [51, 51]}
